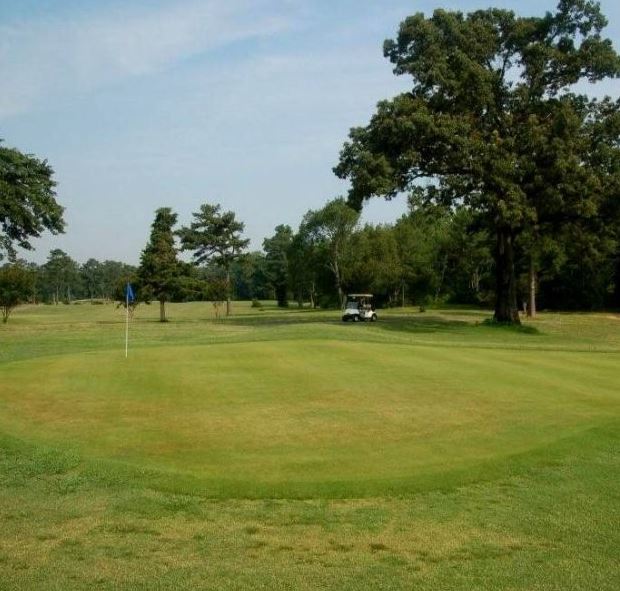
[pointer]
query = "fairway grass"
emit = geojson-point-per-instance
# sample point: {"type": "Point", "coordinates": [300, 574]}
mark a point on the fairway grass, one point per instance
{"type": "Point", "coordinates": [287, 450]}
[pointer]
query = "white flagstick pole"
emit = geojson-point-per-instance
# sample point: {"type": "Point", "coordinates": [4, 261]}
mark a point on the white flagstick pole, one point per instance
{"type": "Point", "coordinates": [126, 321]}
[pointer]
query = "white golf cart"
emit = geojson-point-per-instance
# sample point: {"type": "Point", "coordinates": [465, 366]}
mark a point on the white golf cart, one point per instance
{"type": "Point", "coordinates": [359, 307]}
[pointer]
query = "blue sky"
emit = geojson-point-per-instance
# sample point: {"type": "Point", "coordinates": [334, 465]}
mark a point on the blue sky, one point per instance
{"type": "Point", "coordinates": [143, 104]}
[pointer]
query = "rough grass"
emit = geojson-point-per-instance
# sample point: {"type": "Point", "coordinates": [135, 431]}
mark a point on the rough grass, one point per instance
{"type": "Point", "coordinates": [285, 450]}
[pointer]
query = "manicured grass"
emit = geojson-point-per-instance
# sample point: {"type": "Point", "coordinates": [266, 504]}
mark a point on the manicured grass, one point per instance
{"type": "Point", "coordinates": [285, 449]}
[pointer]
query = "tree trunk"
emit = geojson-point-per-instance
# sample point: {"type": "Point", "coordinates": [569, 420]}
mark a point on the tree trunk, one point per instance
{"type": "Point", "coordinates": [228, 302]}
{"type": "Point", "coordinates": [506, 284]}
{"type": "Point", "coordinates": [162, 311]}
{"type": "Point", "coordinates": [336, 270]}
{"type": "Point", "coordinates": [442, 276]}
{"type": "Point", "coordinates": [531, 309]}
{"type": "Point", "coordinates": [616, 295]}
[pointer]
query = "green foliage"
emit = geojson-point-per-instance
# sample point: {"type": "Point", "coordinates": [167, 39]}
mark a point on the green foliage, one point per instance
{"type": "Point", "coordinates": [120, 293]}
{"type": "Point", "coordinates": [430, 254]}
{"type": "Point", "coordinates": [15, 287]}
{"type": "Point", "coordinates": [329, 229]}
{"type": "Point", "coordinates": [217, 291]}
{"type": "Point", "coordinates": [27, 200]}
{"type": "Point", "coordinates": [215, 237]}
{"type": "Point", "coordinates": [277, 250]}
{"type": "Point", "coordinates": [491, 123]}
{"type": "Point", "coordinates": [305, 263]}
{"type": "Point", "coordinates": [91, 272]}
{"type": "Point", "coordinates": [101, 279]}
{"type": "Point", "coordinates": [160, 270]}
{"type": "Point", "coordinates": [60, 277]}
{"type": "Point", "coordinates": [250, 277]}
{"type": "Point", "coordinates": [374, 263]}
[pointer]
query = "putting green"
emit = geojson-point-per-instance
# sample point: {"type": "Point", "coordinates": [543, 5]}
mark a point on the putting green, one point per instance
{"type": "Point", "coordinates": [307, 417]}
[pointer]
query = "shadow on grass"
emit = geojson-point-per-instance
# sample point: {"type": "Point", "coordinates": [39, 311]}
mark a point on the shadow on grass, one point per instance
{"type": "Point", "coordinates": [422, 324]}
{"type": "Point", "coordinates": [391, 322]}
{"type": "Point", "coordinates": [439, 323]}
{"type": "Point", "coordinates": [469, 321]}
{"type": "Point", "coordinates": [394, 322]}
{"type": "Point", "coordinates": [511, 328]}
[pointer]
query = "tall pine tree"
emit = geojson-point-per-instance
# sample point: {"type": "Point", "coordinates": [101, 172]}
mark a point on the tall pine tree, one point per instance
{"type": "Point", "coordinates": [159, 268]}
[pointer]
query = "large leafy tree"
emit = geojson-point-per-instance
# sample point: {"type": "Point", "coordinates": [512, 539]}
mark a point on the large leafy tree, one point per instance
{"type": "Point", "coordinates": [159, 272]}
{"type": "Point", "coordinates": [27, 200]}
{"type": "Point", "coordinates": [491, 123]}
{"type": "Point", "coordinates": [216, 237]}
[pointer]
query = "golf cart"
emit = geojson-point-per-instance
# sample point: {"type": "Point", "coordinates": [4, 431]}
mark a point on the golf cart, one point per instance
{"type": "Point", "coordinates": [359, 306]}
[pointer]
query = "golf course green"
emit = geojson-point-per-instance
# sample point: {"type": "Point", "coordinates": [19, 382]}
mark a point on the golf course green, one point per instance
{"type": "Point", "coordinates": [429, 449]}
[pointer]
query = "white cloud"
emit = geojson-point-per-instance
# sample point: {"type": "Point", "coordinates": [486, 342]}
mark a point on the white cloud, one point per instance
{"type": "Point", "coordinates": [54, 57]}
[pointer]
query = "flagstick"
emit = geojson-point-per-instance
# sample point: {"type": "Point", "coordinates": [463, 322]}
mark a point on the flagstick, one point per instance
{"type": "Point", "coordinates": [127, 323]}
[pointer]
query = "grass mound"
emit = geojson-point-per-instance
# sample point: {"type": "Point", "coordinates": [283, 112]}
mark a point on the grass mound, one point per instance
{"type": "Point", "coordinates": [307, 418]}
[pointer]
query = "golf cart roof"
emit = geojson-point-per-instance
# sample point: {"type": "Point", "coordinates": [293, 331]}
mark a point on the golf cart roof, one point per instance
{"type": "Point", "coordinates": [360, 295]}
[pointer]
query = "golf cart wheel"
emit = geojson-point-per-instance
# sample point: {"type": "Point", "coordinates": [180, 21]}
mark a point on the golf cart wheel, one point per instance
{"type": "Point", "coordinates": [356, 318]}
{"type": "Point", "coordinates": [373, 318]}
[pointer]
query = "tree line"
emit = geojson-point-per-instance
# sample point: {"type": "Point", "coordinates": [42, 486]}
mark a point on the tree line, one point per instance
{"type": "Point", "coordinates": [431, 255]}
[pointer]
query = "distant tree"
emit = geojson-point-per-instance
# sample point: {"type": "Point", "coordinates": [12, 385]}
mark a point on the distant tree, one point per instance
{"type": "Point", "coordinates": [331, 227]}
{"type": "Point", "coordinates": [306, 262]}
{"type": "Point", "coordinates": [120, 293]}
{"type": "Point", "coordinates": [159, 269]}
{"type": "Point", "coordinates": [491, 123]}
{"type": "Point", "coordinates": [36, 274]}
{"type": "Point", "coordinates": [27, 200]}
{"type": "Point", "coordinates": [217, 292]}
{"type": "Point", "coordinates": [215, 236]}
{"type": "Point", "coordinates": [193, 284]}
{"type": "Point", "coordinates": [250, 277]}
{"type": "Point", "coordinates": [110, 273]}
{"type": "Point", "coordinates": [419, 237]}
{"type": "Point", "coordinates": [375, 264]}
{"type": "Point", "coordinates": [277, 249]}
{"type": "Point", "coordinates": [15, 288]}
{"type": "Point", "coordinates": [615, 298]}
{"type": "Point", "coordinates": [61, 275]}
{"type": "Point", "coordinates": [469, 253]}
{"type": "Point", "coordinates": [91, 277]}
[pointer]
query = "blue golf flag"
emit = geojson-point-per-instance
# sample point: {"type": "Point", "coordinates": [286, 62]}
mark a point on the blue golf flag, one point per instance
{"type": "Point", "coordinates": [129, 295]}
